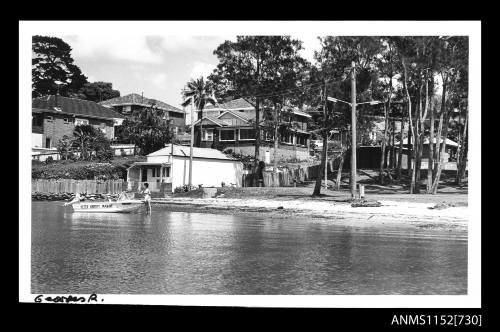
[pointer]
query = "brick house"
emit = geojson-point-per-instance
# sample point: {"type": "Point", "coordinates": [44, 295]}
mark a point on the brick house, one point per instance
{"type": "Point", "coordinates": [56, 116]}
{"type": "Point", "coordinates": [127, 105]}
{"type": "Point", "coordinates": [231, 125]}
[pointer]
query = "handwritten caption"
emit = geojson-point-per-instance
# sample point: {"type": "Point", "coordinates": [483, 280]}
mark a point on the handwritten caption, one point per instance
{"type": "Point", "coordinates": [92, 298]}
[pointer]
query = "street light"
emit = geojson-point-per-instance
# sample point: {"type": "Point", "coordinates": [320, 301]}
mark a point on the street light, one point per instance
{"type": "Point", "coordinates": [353, 105]}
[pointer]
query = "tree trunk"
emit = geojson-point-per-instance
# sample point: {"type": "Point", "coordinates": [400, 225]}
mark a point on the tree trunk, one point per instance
{"type": "Point", "coordinates": [339, 171]}
{"type": "Point", "coordinates": [440, 130]}
{"type": "Point", "coordinates": [392, 153]}
{"type": "Point", "coordinates": [462, 162]}
{"type": "Point", "coordinates": [408, 98]}
{"type": "Point", "coordinates": [441, 155]}
{"type": "Point", "coordinates": [317, 187]}
{"type": "Point", "coordinates": [384, 138]}
{"type": "Point", "coordinates": [430, 161]}
{"type": "Point", "coordinates": [319, 178]}
{"type": "Point", "coordinates": [257, 144]}
{"type": "Point", "coordinates": [275, 152]}
{"type": "Point", "coordinates": [400, 150]}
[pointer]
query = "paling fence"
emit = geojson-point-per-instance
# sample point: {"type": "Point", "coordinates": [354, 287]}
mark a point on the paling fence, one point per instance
{"type": "Point", "coordinates": [78, 186]}
{"type": "Point", "coordinates": [286, 177]}
{"type": "Point", "coordinates": [291, 175]}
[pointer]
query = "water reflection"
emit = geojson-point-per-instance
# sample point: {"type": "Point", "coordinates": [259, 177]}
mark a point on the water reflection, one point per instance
{"type": "Point", "coordinates": [195, 253]}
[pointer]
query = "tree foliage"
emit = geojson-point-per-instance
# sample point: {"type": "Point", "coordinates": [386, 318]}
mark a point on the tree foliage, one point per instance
{"type": "Point", "coordinates": [148, 129]}
{"type": "Point", "coordinates": [199, 93]}
{"type": "Point", "coordinates": [98, 91]}
{"type": "Point", "coordinates": [52, 63]}
{"type": "Point", "coordinates": [91, 143]}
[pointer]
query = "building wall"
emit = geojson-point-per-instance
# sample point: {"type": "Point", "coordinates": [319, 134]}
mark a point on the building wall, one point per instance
{"type": "Point", "coordinates": [206, 172]}
{"type": "Point", "coordinates": [56, 128]}
{"type": "Point", "coordinates": [36, 140]}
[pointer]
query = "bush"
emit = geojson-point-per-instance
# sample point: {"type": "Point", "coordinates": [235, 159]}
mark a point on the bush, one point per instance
{"type": "Point", "coordinates": [79, 171]}
{"type": "Point", "coordinates": [184, 189]}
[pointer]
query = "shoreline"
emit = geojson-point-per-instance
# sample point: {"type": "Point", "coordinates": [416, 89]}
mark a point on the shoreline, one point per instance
{"type": "Point", "coordinates": [394, 214]}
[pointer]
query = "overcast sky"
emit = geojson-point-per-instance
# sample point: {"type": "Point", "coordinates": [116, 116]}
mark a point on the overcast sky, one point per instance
{"type": "Point", "coordinates": [158, 66]}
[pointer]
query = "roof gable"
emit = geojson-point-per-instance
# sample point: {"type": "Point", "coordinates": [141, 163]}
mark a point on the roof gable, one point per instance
{"type": "Point", "coordinates": [235, 104]}
{"type": "Point", "coordinates": [229, 114]}
{"type": "Point", "coordinates": [183, 151]}
{"type": "Point", "coordinates": [210, 120]}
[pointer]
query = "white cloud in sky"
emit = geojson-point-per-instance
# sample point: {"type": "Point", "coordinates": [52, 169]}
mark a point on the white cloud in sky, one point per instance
{"type": "Point", "coordinates": [130, 48]}
{"type": "Point", "coordinates": [310, 43]}
{"type": "Point", "coordinates": [201, 69]}
{"type": "Point", "coordinates": [159, 79]}
{"type": "Point", "coordinates": [177, 43]}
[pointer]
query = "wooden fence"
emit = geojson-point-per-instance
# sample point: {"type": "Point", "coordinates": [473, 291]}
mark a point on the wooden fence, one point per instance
{"type": "Point", "coordinates": [286, 177]}
{"type": "Point", "coordinates": [78, 186]}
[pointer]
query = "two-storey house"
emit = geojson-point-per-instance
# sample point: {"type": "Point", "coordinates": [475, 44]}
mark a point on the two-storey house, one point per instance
{"type": "Point", "coordinates": [131, 103]}
{"type": "Point", "coordinates": [232, 126]}
{"type": "Point", "coordinates": [55, 116]}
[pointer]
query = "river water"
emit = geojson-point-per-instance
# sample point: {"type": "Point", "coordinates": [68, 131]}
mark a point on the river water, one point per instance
{"type": "Point", "coordinates": [195, 253]}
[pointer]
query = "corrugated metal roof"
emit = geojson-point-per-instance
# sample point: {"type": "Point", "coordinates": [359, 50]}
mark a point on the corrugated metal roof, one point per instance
{"type": "Point", "coordinates": [183, 151]}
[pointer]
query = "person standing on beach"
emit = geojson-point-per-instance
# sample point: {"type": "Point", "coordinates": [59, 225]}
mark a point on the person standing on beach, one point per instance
{"type": "Point", "coordinates": [147, 197]}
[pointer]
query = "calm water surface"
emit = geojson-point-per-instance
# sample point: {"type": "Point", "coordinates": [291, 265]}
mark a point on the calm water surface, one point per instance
{"type": "Point", "coordinates": [196, 253]}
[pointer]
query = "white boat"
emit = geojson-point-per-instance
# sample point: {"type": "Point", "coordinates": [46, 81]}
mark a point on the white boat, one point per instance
{"type": "Point", "coordinates": [113, 206]}
{"type": "Point", "coordinates": [122, 204]}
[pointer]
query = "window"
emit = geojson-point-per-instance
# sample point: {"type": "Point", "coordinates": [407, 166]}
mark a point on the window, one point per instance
{"type": "Point", "coordinates": [247, 134]}
{"type": "Point", "coordinates": [79, 122]}
{"type": "Point", "coordinates": [47, 142]}
{"type": "Point", "coordinates": [127, 109]}
{"type": "Point", "coordinates": [288, 138]}
{"type": "Point", "coordinates": [176, 115]}
{"type": "Point", "coordinates": [50, 118]}
{"type": "Point", "coordinates": [208, 135]}
{"type": "Point", "coordinates": [166, 172]}
{"type": "Point", "coordinates": [227, 135]}
{"type": "Point", "coordinates": [66, 120]}
{"type": "Point", "coordinates": [155, 172]}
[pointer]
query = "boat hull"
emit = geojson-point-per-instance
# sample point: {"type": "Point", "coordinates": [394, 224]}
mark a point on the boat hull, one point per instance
{"type": "Point", "coordinates": [108, 207]}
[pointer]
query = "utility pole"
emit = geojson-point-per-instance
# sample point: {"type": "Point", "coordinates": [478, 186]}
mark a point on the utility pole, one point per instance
{"type": "Point", "coordinates": [325, 139]}
{"type": "Point", "coordinates": [353, 128]}
{"type": "Point", "coordinates": [191, 148]}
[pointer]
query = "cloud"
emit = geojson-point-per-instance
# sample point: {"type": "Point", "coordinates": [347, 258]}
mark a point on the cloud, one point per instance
{"type": "Point", "coordinates": [159, 79]}
{"type": "Point", "coordinates": [310, 43]}
{"type": "Point", "coordinates": [201, 69]}
{"type": "Point", "coordinates": [178, 43]}
{"type": "Point", "coordinates": [128, 48]}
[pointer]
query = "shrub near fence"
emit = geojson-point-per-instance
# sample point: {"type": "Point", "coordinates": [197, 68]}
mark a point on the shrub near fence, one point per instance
{"type": "Point", "coordinates": [78, 186]}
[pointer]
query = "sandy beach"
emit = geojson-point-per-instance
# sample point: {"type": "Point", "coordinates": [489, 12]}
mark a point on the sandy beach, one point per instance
{"type": "Point", "coordinates": [394, 213]}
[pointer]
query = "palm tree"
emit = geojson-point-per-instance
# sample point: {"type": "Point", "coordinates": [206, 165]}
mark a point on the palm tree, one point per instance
{"type": "Point", "coordinates": [83, 140]}
{"type": "Point", "coordinates": [199, 92]}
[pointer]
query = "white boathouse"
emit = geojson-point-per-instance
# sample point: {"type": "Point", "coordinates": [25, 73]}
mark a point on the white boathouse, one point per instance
{"type": "Point", "coordinates": [168, 168]}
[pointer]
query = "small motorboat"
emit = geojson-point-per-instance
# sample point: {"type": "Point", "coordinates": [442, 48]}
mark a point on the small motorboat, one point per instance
{"type": "Point", "coordinates": [122, 204]}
